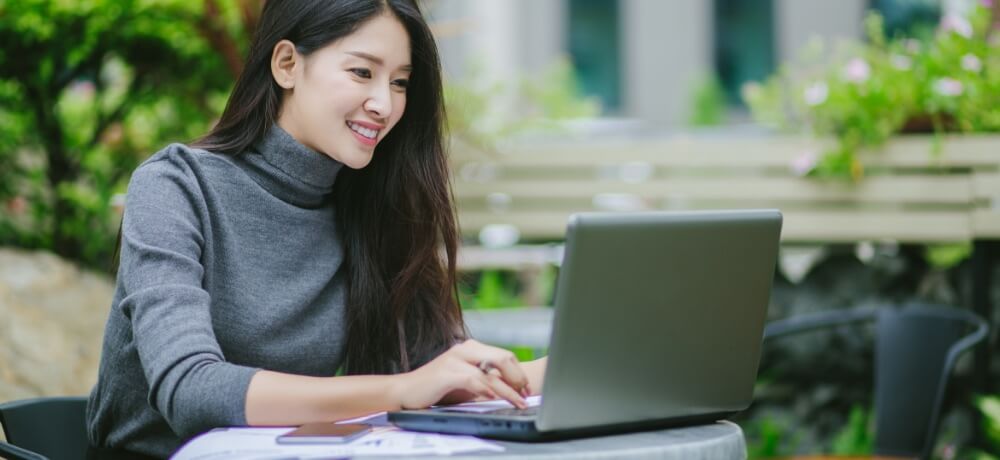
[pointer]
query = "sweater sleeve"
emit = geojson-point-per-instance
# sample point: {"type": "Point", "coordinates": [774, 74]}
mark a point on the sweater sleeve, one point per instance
{"type": "Point", "coordinates": [190, 383]}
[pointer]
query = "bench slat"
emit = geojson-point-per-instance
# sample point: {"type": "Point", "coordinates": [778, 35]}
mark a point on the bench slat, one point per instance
{"type": "Point", "coordinates": [965, 151]}
{"type": "Point", "coordinates": [799, 226]}
{"type": "Point", "coordinates": [921, 189]}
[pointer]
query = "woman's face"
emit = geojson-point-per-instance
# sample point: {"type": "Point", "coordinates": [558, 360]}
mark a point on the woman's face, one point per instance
{"type": "Point", "coordinates": [343, 99]}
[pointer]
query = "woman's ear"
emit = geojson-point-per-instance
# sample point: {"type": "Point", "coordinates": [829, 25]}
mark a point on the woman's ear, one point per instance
{"type": "Point", "coordinates": [284, 60]}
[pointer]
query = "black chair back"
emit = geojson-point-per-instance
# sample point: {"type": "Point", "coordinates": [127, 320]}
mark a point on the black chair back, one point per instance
{"type": "Point", "coordinates": [52, 428]}
{"type": "Point", "coordinates": [915, 351]}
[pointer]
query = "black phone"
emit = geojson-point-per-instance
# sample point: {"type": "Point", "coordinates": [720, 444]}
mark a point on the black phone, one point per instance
{"type": "Point", "coordinates": [325, 433]}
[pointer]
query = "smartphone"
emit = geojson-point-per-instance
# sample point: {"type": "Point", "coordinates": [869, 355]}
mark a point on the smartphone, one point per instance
{"type": "Point", "coordinates": [324, 433]}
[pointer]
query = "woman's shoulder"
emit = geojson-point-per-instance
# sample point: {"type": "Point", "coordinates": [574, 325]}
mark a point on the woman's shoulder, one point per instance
{"type": "Point", "coordinates": [178, 171]}
{"type": "Point", "coordinates": [180, 156]}
{"type": "Point", "coordinates": [181, 161]}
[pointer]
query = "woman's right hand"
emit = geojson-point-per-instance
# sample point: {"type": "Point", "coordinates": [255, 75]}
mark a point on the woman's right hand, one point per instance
{"type": "Point", "coordinates": [460, 370]}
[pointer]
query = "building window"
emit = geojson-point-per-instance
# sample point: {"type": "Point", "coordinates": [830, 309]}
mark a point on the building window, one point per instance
{"type": "Point", "coordinates": [744, 43]}
{"type": "Point", "coordinates": [594, 50]}
{"type": "Point", "coordinates": [911, 18]}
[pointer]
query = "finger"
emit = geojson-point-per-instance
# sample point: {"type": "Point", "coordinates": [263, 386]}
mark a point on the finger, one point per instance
{"type": "Point", "coordinates": [475, 383]}
{"type": "Point", "coordinates": [505, 391]}
{"type": "Point", "coordinates": [510, 369]}
{"type": "Point", "coordinates": [504, 361]}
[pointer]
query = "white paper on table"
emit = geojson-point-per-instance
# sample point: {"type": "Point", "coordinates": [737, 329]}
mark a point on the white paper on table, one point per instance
{"type": "Point", "coordinates": [261, 444]}
{"type": "Point", "coordinates": [486, 406]}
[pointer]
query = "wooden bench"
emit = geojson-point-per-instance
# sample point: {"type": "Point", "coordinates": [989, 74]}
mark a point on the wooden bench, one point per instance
{"type": "Point", "coordinates": [909, 194]}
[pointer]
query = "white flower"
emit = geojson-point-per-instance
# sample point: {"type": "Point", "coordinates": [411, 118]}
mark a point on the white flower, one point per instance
{"type": "Point", "coordinates": [957, 24]}
{"type": "Point", "coordinates": [948, 87]}
{"type": "Point", "coordinates": [900, 62]}
{"type": "Point", "coordinates": [972, 63]}
{"type": "Point", "coordinates": [750, 90]}
{"type": "Point", "coordinates": [804, 163]}
{"type": "Point", "coordinates": [857, 70]}
{"type": "Point", "coordinates": [816, 93]}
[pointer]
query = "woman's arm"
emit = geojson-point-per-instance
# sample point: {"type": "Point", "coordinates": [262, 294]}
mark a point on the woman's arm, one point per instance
{"type": "Point", "coordinates": [535, 370]}
{"type": "Point", "coordinates": [283, 399]}
{"type": "Point", "coordinates": [274, 398]}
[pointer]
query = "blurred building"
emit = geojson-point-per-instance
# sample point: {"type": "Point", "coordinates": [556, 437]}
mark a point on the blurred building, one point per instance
{"type": "Point", "coordinates": [644, 59]}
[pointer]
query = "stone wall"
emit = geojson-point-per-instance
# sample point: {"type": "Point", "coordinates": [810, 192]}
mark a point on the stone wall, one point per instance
{"type": "Point", "coordinates": [53, 317]}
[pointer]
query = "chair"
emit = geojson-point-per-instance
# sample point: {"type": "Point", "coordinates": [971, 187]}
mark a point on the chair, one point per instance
{"type": "Point", "coordinates": [42, 428]}
{"type": "Point", "coordinates": [915, 350]}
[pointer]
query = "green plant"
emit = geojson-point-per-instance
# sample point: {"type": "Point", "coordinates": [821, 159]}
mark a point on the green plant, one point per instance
{"type": "Point", "coordinates": [989, 406]}
{"type": "Point", "coordinates": [476, 105]}
{"type": "Point", "coordinates": [768, 436]}
{"type": "Point", "coordinates": [708, 105]}
{"type": "Point", "coordinates": [945, 256]}
{"type": "Point", "coordinates": [854, 438]}
{"type": "Point", "coordinates": [88, 89]}
{"type": "Point", "coordinates": [864, 93]}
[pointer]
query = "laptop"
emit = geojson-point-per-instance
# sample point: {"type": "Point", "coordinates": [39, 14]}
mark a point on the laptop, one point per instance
{"type": "Point", "coordinates": [658, 322]}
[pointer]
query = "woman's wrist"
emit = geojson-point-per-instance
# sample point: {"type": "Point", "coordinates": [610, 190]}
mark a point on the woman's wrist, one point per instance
{"type": "Point", "coordinates": [397, 390]}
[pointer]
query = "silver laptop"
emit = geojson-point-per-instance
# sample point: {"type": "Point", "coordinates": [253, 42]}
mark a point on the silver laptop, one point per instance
{"type": "Point", "coordinates": [659, 319]}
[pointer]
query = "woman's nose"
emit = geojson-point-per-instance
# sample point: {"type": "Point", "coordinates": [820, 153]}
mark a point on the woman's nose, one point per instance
{"type": "Point", "coordinates": [379, 103]}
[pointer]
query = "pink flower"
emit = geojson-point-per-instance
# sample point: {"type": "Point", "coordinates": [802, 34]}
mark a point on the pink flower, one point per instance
{"type": "Point", "coordinates": [804, 163]}
{"type": "Point", "coordinates": [972, 63]}
{"type": "Point", "coordinates": [986, 3]}
{"type": "Point", "coordinates": [816, 93]}
{"type": "Point", "coordinates": [83, 88]}
{"type": "Point", "coordinates": [17, 205]}
{"type": "Point", "coordinates": [857, 70]}
{"type": "Point", "coordinates": [949, 87]}
{"type": "Point", "coordinates": [957, 24]}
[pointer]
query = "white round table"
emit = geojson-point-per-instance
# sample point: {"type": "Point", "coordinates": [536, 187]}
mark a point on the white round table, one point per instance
{"type": "Point", "coordinates": [722, 440]}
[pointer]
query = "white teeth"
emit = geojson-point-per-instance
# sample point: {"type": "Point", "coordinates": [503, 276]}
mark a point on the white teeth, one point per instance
{"type": "Point", "coordinates": [369, 133]}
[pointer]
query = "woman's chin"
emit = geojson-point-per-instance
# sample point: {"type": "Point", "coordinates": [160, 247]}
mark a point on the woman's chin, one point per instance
{"type": "Point", "coordinates": [357, 161]}
{"type": "Point", "coordinates": [354, 160]}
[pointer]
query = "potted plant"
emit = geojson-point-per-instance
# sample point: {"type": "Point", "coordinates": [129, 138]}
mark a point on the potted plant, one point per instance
{"type": "Point", "coordinates": [864, 93]}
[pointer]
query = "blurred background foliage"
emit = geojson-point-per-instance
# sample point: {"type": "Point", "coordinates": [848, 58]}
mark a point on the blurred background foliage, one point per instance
{"type": "Point", "coordinates": [88, 89]}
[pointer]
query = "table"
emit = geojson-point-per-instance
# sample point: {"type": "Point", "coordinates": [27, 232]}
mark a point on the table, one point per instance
{"type": "Point", "coordinates": [721, 440]}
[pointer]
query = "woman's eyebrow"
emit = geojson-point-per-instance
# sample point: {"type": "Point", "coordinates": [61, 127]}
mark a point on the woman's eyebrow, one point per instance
{"type": "Point", "coordinates": [377, 60]}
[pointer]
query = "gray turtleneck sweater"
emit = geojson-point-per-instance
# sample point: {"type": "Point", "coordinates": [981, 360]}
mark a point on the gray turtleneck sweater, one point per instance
{"type": "Point", "coordinates": [229, 264]}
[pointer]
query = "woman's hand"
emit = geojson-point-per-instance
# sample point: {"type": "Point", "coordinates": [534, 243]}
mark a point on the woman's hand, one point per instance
{"type": "Point", "coordinates": [466, 371]}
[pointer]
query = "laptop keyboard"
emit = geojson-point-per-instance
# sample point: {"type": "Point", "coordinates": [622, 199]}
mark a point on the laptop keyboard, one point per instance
{"type": "Point", "coordinates": [526, 411]}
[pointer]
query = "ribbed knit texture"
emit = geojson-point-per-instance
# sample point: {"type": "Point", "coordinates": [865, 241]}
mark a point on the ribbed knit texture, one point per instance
{"type": "Point", "coordinates": [229, 264]}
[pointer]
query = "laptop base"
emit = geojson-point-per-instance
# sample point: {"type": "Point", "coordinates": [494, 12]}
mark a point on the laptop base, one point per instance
{"type": "Point", "coordinates": [523, 429]}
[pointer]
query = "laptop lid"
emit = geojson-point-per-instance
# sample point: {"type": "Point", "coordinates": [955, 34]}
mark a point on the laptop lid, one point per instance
{"type": "Point", "coordinates": [658, 315]}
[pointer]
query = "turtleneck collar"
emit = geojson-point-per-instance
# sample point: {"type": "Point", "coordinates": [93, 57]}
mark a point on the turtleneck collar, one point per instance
{"type": "Point", "coordinates": [289, 170]}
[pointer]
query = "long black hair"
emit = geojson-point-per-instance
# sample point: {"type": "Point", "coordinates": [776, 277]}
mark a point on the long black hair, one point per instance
{"type": "Point", "coordinates": [395, 215]}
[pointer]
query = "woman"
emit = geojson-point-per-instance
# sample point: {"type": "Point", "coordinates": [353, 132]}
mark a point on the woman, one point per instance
{"type": "Point", "coordinates": [302, 235]}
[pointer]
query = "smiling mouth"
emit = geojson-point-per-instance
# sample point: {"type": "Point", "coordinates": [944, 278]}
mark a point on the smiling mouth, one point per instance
{"type": "Point", "coordinates": [367, 133]}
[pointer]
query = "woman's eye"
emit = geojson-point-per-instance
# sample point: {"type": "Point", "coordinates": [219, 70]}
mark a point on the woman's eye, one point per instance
{"type": "Point", "coordinates": [363, 73]}
{"type": "Point", "coordinates": [401, 83]}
